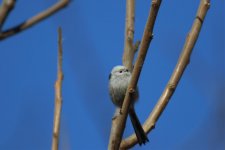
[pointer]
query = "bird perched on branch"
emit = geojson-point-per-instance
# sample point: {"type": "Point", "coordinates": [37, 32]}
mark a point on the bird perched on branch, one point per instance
{"type": "Point", "coordinates": [119, 79]}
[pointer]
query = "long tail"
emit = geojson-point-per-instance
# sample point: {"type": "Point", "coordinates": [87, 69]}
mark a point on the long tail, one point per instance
{"type": "Point", "coordinates": [139, 131]}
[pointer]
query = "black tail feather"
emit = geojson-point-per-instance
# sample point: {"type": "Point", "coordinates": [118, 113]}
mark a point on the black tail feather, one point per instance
{"type": "Point", "coordinates": [139, 131]}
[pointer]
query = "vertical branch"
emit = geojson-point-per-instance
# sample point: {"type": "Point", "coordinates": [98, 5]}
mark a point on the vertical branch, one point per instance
{"type": "Point", "coordinates": [58, 95]}
{"type": "Point", "coordinates": [128, 56]}
{"type": "Point", "coordinates": [5, 8]}
{"type": "Point", "coordinates": [176, 76]}
{"type": "Point", "coordinates": [118, 124]}
{"type": "Point", "coordinates": [129, 51]}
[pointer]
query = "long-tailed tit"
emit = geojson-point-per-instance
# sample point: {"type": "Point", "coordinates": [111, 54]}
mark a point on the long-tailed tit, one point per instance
{"type": "Point", "coordinates": [119, 79]}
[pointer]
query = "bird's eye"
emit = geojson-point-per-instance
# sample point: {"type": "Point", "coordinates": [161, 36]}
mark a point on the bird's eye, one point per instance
{"type": "Point", "coordinates": [121, 71]}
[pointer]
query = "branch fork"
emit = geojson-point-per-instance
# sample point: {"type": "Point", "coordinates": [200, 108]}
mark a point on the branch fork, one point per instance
{"type": "Point", "coordinates": [118, 124]}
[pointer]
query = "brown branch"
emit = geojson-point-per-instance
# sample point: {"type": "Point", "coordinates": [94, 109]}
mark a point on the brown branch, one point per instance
{"type": "Point", "coordinates": [129, 51]}
{"type": "Point", "coordinates": [176, 76]}
{"type": "Point", "coordinates": [128, 57]}
{"type": "Point", "coordinates": [118, 124]}
{"type": "Point", "coordinates": [5, 8]}
{"type": "Point", "coordinates": [58, 95]}
{"type": "Point", "coordinates": [34, 20]}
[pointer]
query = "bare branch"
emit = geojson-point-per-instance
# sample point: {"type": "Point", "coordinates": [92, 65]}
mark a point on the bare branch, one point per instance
{"type": "Point", "coordinates": [176, 76]}
{"type": "Point", "coordinates": [34, 20]}
{"type": "Point", "coordinates": [128, 57]}
{"type": "Point", "coordinates": [5, 8]}
{"type": "Point", "coordinates": [58, 95]}
{"type": "Point", "coordinates": [129, 52]}
{"type": "Point", "coordinates": [118, 124]}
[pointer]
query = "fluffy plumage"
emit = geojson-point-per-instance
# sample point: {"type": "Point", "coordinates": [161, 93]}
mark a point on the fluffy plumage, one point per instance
{"type": "Point", "coordinates": [119, 79]}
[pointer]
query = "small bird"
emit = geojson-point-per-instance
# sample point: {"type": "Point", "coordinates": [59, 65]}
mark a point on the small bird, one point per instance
{"type": "Point", "coordinates": [119, 79]}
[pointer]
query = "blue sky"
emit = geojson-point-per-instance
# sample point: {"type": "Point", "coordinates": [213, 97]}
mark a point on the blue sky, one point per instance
{"type": "Point", "coordinates": [93, 37]}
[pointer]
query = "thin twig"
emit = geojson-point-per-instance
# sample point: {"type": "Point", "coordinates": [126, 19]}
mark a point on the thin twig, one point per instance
{"type": "Point", "coordinates": [176, 76]}
{"type": "Point", "coordinates": [118, 124]}
{"type": "Point", "coordinates": [5, 8]}
{"type": "Point", "coordinates": [34, 20]}
{"type": "Point", "coordinates": [58, 95]}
